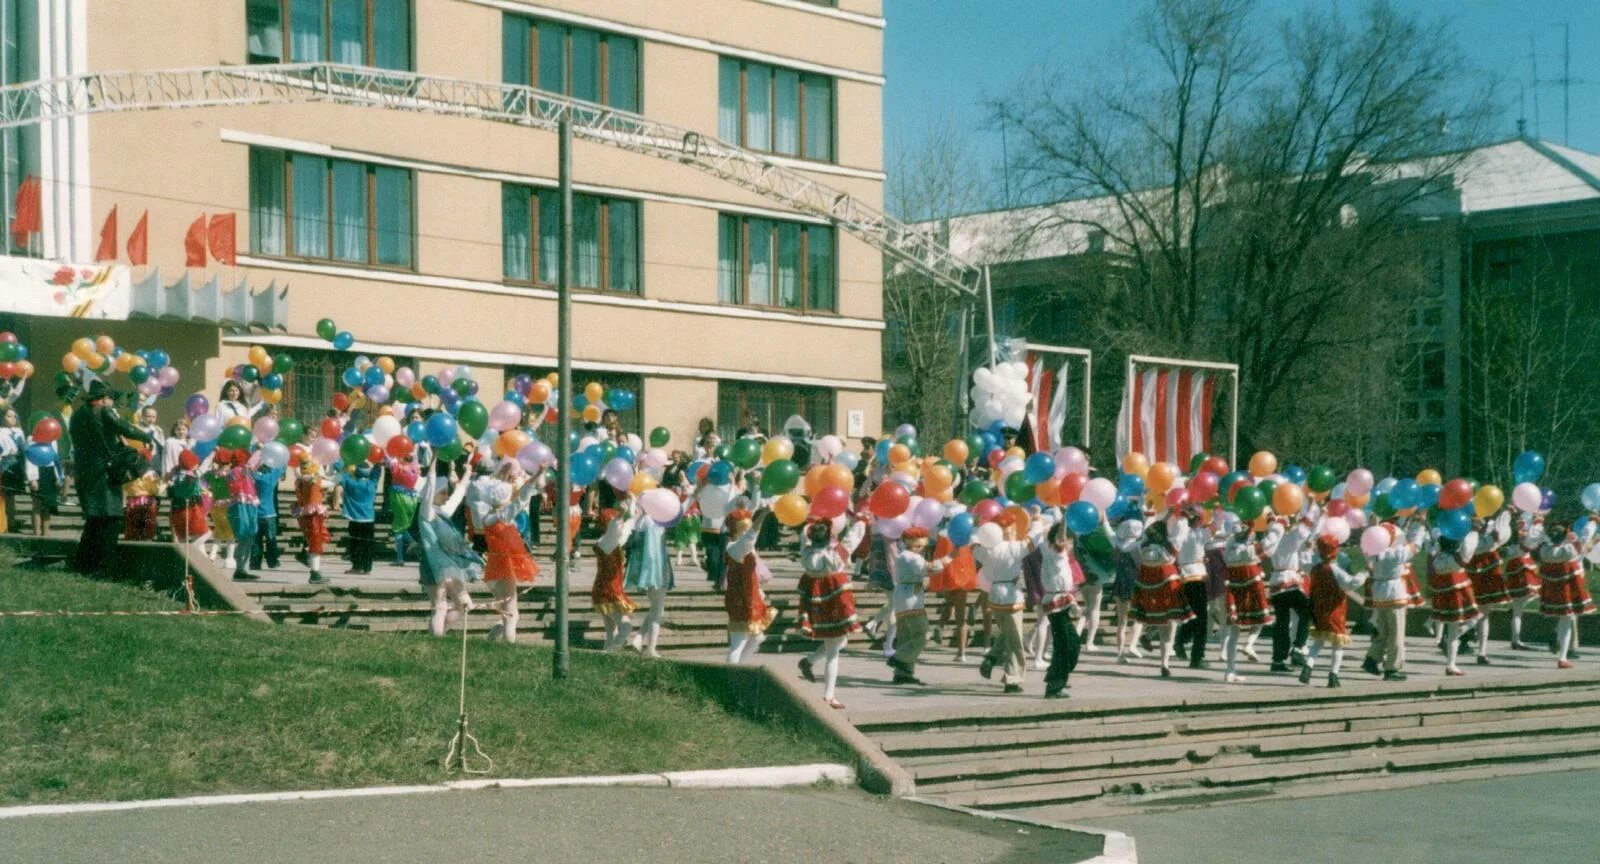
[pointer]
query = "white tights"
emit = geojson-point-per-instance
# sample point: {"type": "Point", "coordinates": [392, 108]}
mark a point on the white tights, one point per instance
{"type": "Point", "coordinates": [1039, 638]}
{"type": "Point", "coordinates": [505, 599]}
{"type": "Point", "coordinates": [827, 654]}
{"type": "Point", "coordinates": [442, 596]}
{"type": "Point", "coordinates": [1090, 622]}
{"type": "Point", "coordinates": [1169, 635]}
{"type": "Point", "coordinates": [742, 647]}
{"type": "Point", "coordinates": [1336, 656]}
{"type": "Point", "coordinates": [1230, 644]}
{"type": "Point", "coordinates": [652, 620]}
{"type": "Point", "coordinates": [1564, 636]}
{"type": "Point", "coordinates": [618, 627]}
{"type": "Point", "coordinates": [1483, 635]}
{"type": "Point", "coordinates": [1452, 643]}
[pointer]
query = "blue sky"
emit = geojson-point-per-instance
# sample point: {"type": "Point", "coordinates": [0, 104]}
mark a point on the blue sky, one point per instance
{"type": "Point", "coordinates": [943, 58]}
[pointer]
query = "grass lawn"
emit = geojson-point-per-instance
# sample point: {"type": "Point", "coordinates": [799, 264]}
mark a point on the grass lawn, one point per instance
{"type": "Point", "coordinates": [123, 708]}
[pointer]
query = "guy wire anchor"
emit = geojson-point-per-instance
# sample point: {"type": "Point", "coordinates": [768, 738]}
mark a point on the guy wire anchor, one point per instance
{"type": "Point", "coordinates": [456, 758]}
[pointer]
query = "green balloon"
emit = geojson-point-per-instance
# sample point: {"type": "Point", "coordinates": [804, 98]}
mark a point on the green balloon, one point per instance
{"type": "Point", "coordinates": [659, 436]}
{"type": "Point", "coordinates": [450, 452]}
{"type": "Point", "coordinates": [430, 384]}
{"type": "Point", "coordinates": [462, 386]}
{"type": "Point", "coordinates": [353, 450]}
{"type": "Point", "coordinates": [746, 453]}
{"type": "Point", "coordinates": [1196, 461]}
{"type": "Point", "coordinates": [8, 352]}
{"type": "Point", "coordinates": [1249, 502]}
{"type": "Point", "coordinates": [722, 451]}
{"type": "Point", "coordinates": [911, 443]}
{"type": "Point", "coordinates": [35, 417]}
{"type": "Point", "coordinates": [608, 450]}
{"type": "Point", "coordinates": [1381, 507]}
{"type": "Point", "coordinates": [975, 448]}
{"type": "Point", "coordinates": [780, 477]}
{"type": "Point", "coordinates": [234, 438]}
{"type": "Point", "coordinates": [290, 431]}
{"type": "Point", "coordinates": [1322, 479]}
{"type": "Point", "coordinates": [327, 329]}
{"type": "Point", "coordinates": [1018, 489]}
{"type": "Point", "coordinates": [1266, 487]}
{"type": "Point", "coordinates": [282, 364]}
{"type": "Point", "coordinates": [473, 418]}
{"type": "Point", "coordinates": [218, 484]}
{"type": "Point", "coordinates": [975, 491]}
{"type": "Point", "coordinates": [139, 374]}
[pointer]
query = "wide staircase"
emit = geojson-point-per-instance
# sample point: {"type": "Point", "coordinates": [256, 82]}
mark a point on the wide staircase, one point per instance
{"type": "Point", "coordinates": [1065, 763]}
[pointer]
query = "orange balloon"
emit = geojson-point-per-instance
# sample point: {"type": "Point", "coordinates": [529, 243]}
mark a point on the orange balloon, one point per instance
{"type": "Point", "coordinates": [272, 397]}
{"type": "Point", "coordinates": [259, 357]}
{"type": "Point", "coordinates": [1135, 464]}
{"type": "Point", "coordinates": [238, 421]}
{"type": "Point", "coordinates": [386, 364]}
{"type": "Point", "coordinates": [24, 368]}
{"type": "Point", "coordinates": [899, 454]}
{"type": "Point", "coordinates": [593, 391]}
{"type": "Point", "coordinates": [791, 509]}
{"type": "Point", "coordinates": [591, 413]}
{"type": "Point", "coordinates": [1049, 491]}
{"type": "Point", "coordinates": [417, 392]}
{"type": "Point", "coordinates": [1020, 519]}
{"type": "Point", "coordinates": [1262, 464]}
{"type": "Point", "coordinates": [1429, 477]}
{"type": "Point", "coordinates": [814, 479]}
{"type": "Point", "coordinates": [83, 347]}
{"type": "Point", "coordinates": [643, 481]}
{"type": "Point", "coordinates": [938, 478]}
{"type": "Point", "coordinates": [124, 362]}
{"type": "Point", "coordinates": [1017, 452]}
{"type": "Point", "coordinates": [510, 442]}
{"type": "Point", "coordinates": [1160, 477]}
{"type": "Point", "coordinates": [1357, 501]}
{"type": "Point", "coordinates": [955, 451]}
{"type": "Point", "coordinates": [71, 363]}
{"type": "Point", "coordinates": [1154, 500]}
{"type": "Point", "coordinates": [840, 476]}
{"type": "Point", "coordinates": [1261, 521]}
{"type": "Point", "coordinates": [104, 344]}
{"type": "Point", "coordinates": [1288, 499]}
{"type": "Point", "coordinates": [539, 393]}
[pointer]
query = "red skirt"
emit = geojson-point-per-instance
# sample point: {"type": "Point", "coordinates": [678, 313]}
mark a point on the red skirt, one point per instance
{"type": "Point", "coordinates": [508, 560]}
{"type": "Point", "coordinates": [607, 595]}
{"type": "Point", "coordinates": [1488, 581]}
{"type": "Point", "coordinates": [1564, 591]}
{"type": "Point", "coordinates": [188, 522]}
{"type": "Point", "coordinates": [1247, 597]}
{"type": "Point", "coordinates": [1158, 596]}
{"type": "Point", "coordinates": [1330, 610]}
{"type": "Point", "coordinates": [961, 574]}
{"type": "Point", "coordinates": [1414, 595]}
{"type": "Point", "coordinates": [1453, 602]}
{"type": "Point", "coordinates": [747, 610]}
{"type": "Point", "coordinates": [314, 526]}
{"type": "Point", "coordinates": [1521, 577]}
{"type": "Point", "coordinates": [831, 606]}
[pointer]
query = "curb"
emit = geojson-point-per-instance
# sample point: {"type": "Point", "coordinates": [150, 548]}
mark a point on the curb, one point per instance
{"type": "Point", "coordinates": [769, 777]}
{"type": "Point", "coordinates": [1117, 847]}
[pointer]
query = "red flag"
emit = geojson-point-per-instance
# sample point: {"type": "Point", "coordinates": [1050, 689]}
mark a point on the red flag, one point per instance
{"type": "Point", "coordinates": [222, 239]}
{"type": "Point", "coordinates": [139, 242]}
{"type": "Point", "coordinates": [108, 238]}
{"type": "Point", "coordinates": [194, 243]}
{"type": "Point", "coordinates": [28, 210]}
{"type": "Point", "coordinates": [1166, 414]}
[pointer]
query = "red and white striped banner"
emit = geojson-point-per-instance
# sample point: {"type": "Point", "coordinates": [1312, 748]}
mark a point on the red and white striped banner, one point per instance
{"type": "Point", "coordinates": [1047, 414]}
{"type": "Point", "coordinates": [1166, 414]}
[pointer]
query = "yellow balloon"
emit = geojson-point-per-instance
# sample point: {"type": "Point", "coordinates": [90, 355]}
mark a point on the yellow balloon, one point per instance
{"type": "Point", "coordinates": [775, 449]}
{"type": "Point", "coordinates": [643, 482]}
{"type": "Point", "coordinates": [1488, 501]}
{"type": "Point", "coordinates": [104, 344]}
{"type": "Point", "coordinates": [259, 357]}
{"type": "Point", "coordinates": [1136, 464]}
{"type": "Point", "coordinates": [593, 391]}
{"type": "Point", "coordinates": [238, 421]}
{"type": "Point", "coordinates": [386, 364]}
{"type": "Point", "coordinates": [71, 363]}
{"type": "Point", "coordinates": [591, 413]}
{"type": "Point", "coordinates": [1160, 477]}
{"type": "Point", "coordinates": [83, 347]}
{"type": "Point", "coordinates": [791, 509]}
{"type": "Point", "coordinates": [126, 362]}
{"type": "Point", "coordinates": [272, 397]}
{"type": "Point", "coordinates": [554, 378]}
{"type": "Point", "coordinates": [1429, 477]}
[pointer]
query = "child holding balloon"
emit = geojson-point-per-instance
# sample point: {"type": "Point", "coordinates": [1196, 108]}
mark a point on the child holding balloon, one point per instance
{"type": "Point", "coordinates": [140, 509]}
{"type": "Point", "coordinates": [447, 563]}
{"type": "Point", "coordinates": [956, 579]}
{"type": "Point", "coordinates": [268, 475]}
{"type": "Point", "coordinates": [609, 594]}
{"type": "Point", "coordinates": [999, 555]}
{"type": "Point", "coordinates": [650, 571]}
{"type": "Point", "coordinates": [1563, 592]}
{"type": "Point", "coordinates": [508, 566]}
{"type": "Point", "coordinates": [1331, 589]}
{"type": "Point", "coordinates": [826, 599]}
{"type": "Point", "coordinates": [13, 476]}
{"type": "Point", "coordinates": [244, 511]}
{"type": "Point", "coordinates": [749, 616]}
{"type": "Point", "coordinates": [311, 511]}
{"type": "Point", "coordinates": [44, 481]}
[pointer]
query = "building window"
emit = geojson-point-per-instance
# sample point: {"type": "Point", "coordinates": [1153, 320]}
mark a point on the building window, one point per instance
{"type": "Point", "coordinates": [354, 32]}
{"type": "Point", "coordinates": [308, 388]}
{"type": "Point", "coordinates": [306, 206]}
{"type": "Point", "coordinates": [19, 146]}
{"type": "Point", "coordinates": [775, 110]}
{"type": "Point", "coordinates": [632, 420]}
{"type": "Point", "coordinates": [770, 405]}
{"type": "Point", "coordinates": [605, 239]}
{"type": "Point", "coordinates": [591, 65]}
{"type": "Point", "coordinates": [764, 262]}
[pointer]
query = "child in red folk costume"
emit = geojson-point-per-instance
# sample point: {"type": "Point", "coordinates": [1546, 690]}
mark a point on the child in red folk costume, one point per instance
{"type": "Point", "coordinates": [507, 566]}
{"type": "Point", "coordinates": [1450, 590]}
{"type": "Point", "coordinates": [953, 581]}
{"type": "Point", "coordinates": [1248, 609]}
{"type": "Point", "coordinates": [141, 511]}
{"type": "Point", "coordinates": [1158, 601]}
{"type": "Point", "coordinates": [1520, 570]}
{"type": "Point", "coordinates": [609, 595]}
{"type": "Point", "coordinates": [187, 498]}
{"type": "Point", "coordinates": [1332, 589]}
{"type": "Point", "coordinates": [1563, 593]}
{"type": "Point", "coordinates": [1488, 577]}
{"type": "Point", "coordinates": [749, 616]}
{"type": "Point", "coordinates": [826, 599]}
{"type": "Point", "coordinates": [311, 511]}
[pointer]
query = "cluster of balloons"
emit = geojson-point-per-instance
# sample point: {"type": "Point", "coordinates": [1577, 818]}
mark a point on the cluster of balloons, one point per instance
{"type": "Point", "coordinates": [149, 370]}
{"type": "Point", "coordinates": [14, 362]}
{"type": "Point", "coordinates": [265, 371]}
{"type": "Point", "coordinates": [341, 340]}
{"type": "Point", "coordinates": [596, 398]}
{"type": "Point", "coordinates": [999, 395]}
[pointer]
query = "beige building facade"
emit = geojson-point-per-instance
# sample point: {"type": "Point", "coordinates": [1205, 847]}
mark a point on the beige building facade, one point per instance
{"type": "Point", "coordinates": [432, 239]}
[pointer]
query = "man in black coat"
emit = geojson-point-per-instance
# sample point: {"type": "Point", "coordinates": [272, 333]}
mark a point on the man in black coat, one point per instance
{"type": "Point", "coordinates": [100, 467]}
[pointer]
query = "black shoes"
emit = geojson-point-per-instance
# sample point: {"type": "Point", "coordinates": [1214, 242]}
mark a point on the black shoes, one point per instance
{"type": "Point", "coordinates": [1370, 666]}
{"type": "Point", "coordinates": [1305, 675]}
{"type": "Point", "coordinates": [1333, 681]}
{"type": "Point", "coordinates": [319, 579]}
{"type": "Point", "coordinates": [1055, 693]}
{"type": "Point", "coordinates": [806, 671]}
{"type": "Point", "coordinates": [1280, 666]}
{"type": "Point", "coordinates": [986, 668]}
{"type": "Point", "coordinates": [245, 576]}
{"type": "Point", "coordinates": [1394, 676]}
{"type": "Point", "coordinates": [1013, 688]}
{"type": "Point", "coordinates": [907, 678]}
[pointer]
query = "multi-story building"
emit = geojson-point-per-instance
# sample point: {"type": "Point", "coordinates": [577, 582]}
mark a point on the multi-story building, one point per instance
{"type": "Point", "coordinates": [434, 239]}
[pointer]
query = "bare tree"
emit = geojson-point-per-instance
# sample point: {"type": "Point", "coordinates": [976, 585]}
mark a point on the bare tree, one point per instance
{"type": "Point", "coordinates": [1255, 188]}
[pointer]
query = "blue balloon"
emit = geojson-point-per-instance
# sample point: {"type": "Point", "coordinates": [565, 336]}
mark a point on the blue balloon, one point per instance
{"type": "Point", "coordinates": [1294, 474]}
{"type": "Point", "coordinates": [585, 468]}
{"type": "Point", "coordinates": [440, 429]}
{"type": "Point", "coordinates": [272, 381]}
{"type": "Point", "coordinates": [1130, 486]}
{"type": "Point", "coordinates": [203, 449]}
{"type": "Point", "coordinates": [1039, 468]}
{"type": "Point", "coordinates": [580, 402]}
{"type": "Point", "coordinates": [1528, 468]}
{"type": "Point", "coordinates": [624, 453]}
{"type": "Point", "coordinates": [1591, 497]}
{"type": "Point", "coordinates": [1082, 517]}
{"type": "Point", "coordinates": [1428, 495]}
{"type": "Point", "coordinates": [960, 529]}
{"type": "Point", "coordinates": [472, 388]}
{"type": "Point", "coordinates": [352, 377]}
{"type": "Point", "coordinates": [449, 401]}
{"type": "Point", "coordinates": [1384, 486]}
{"type": "Point", "coordinates": [515, 398]}
{"type": "Point", "coordinates": [1455, 524]}
{"type": "Point", "coordinates": [416, 431]}
{"type": "Point", "coordinates": [158, 359]}
{"type": "Point", "coordinates": [883, 450]}
{"type": "Point", "coordinates": [343, 340]}
{"type": "Point", "coordinates": [1404, 494]}
{"type": "Point", "coordinates": [22, 351]}
{"type": "Point", "coordinates": [41, 454]}
{"type": "Point", "coordinates": [374, 376]}
{"type": "Point", "coordinates": [720, 473]}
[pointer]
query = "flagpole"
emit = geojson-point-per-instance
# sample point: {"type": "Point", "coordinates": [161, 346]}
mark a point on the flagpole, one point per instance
{"type": "Point", "coordinates": [563, 414]}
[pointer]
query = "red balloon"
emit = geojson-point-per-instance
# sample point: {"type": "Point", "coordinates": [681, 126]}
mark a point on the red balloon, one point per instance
{"type": "Point", "coordinates": [1071, 488]}
{"type": "Point", "coordinates": [700, 476]}
{"type": "Point", "coordinates": [331, 428]}
{"type": "Point", "coordinates": [341, 402]}
{"type": "Point", "coordinates": [986, 510]}
{"type": "Point", "coordinates": [1203, 486]}
{"type": "Point", "coordinates": [1176, 497]}
{"type": "Point", "coordinates": [46, 430]}
{"type": "Point", "coordinates": [374, 453]}
{"type": "Point", "coordinates": [8, 370]}
{"type": "Point", "coordinates": [889, 500]}
{"type": "Point", "coordinates": [552, 415]}
{"type": "Point", "coordinates": [400, 447]}
{"type": "Point", "coordinates": [8, 336]}
{"type": "Point", "coordinates": [1237, 485]}
{"type": "Point", "coordinates": [1338, 507]}
{"type": "Point", "coordinates": [996, 456]}
{"type": "Point", "coordinates": [830, 501]}
{"type": "Point", "coordinates": [1215, 465]}
{"type": "Point", "coordinates": [298, 453]}
{"type": "Point", "coordinates": [1455, 494]}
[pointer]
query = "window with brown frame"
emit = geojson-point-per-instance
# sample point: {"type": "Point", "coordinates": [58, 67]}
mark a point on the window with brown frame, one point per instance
{"type": "Point", "coordinates": [770, 406]}
{"type": "Point", "coordinates": [766, 262]}
{"type": "Point", "coordinates": [591, 65]}
{"type": "Point", "coordinates": [775, 110]}
{"type": "Point", "coordinates": [605, 239]}
{"type": "Point", "coordinates": [306, 206]}
{"type": "Point", "coordinates": [354, 32]}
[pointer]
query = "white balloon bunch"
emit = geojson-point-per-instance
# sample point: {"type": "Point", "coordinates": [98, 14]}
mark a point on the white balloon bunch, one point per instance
{"type": "Point", "coordinates": [1000, 394]}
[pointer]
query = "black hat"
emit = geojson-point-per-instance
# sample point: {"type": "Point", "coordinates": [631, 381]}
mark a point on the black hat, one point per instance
{"type": "Point", "coordinates": [97, 389]}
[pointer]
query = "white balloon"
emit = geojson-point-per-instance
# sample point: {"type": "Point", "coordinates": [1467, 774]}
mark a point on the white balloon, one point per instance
{"type": "Point", "coordinates": [384, 428]}
{"type": "Point", "coordinates": [989, 535]}
{"type": "Point", "coordinates": [1337, 528]}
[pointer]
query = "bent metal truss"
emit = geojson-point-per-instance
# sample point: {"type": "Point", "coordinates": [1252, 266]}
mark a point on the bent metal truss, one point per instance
{"type": "Point", "coordinates": [155, 89]}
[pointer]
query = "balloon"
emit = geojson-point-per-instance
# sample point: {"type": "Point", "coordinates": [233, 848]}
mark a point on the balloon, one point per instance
{"type": "Point", "coordinates": [1161, 476]}
{"type": "Point", "coordinates": [1039, 468]}
{"type": "Point", "coordinates": [343, 340]}
{"type": "Point", "coordinates": [1429, 477]}
{"type": "Point", "coordinates": [1337, 507]}
{"type": "Point", "coordinates": [385, 429]}
{"type": "Point", "coordinates": [661, 505]}
{"type": "Point", "coordinates": [25, 369]}
{"type": "Point", "coordinates": [473, 417]}
{"type": "Point", "coordinates": [354, 449]}
{"type": "Point", "coordinates": [986, 510]}
{"type": "Point", "coordinates": [848, 461]}
{"type": "Point", "coordinates": [158, 359]}
{"type": "Point", "coordinates": [1288, 499]}
{"type": "Point", "coordinates": [168, 377]}
{"type": "Point", "coordinates": [956, 451]}
{"type": "Point", "coordinates": [593, 391]}
{"type": "Point", "coordinates": [830, 501]}
{"type": "Point", "coordinates": [274, 455]}
{"type": "Point", "coordinates": [721, 472]}
{"type": "Point", "coordinates": [1017, 487]}
{"type": "Point", "coordinates": [40, 455]}
{"type": "Point", "coordinates": [504, 415]}
{"type": "Point", "coordinates": [1135, 464]}
{"type": "Point", "coordinates": [1100, 492]}
{"type": "Point", "coordinates": [1249, 502]}
{"type": "Point", "coordinates": [780, 477]}
{"type": "Point", "coordinates": [889, 500]}
{"type": "Point", "coordinates": [139, 374]}
{"type": "Point", "coordinates": [83, 347]}
{"type": "Point", "coordinates": [1082, 518]}
{"type": "Point", "coordinates": [1457, 494]}
{"type": "Point", "coordinates": [746, 452]}
{"type": "Point", "coordinates": [776, 449]}
{"type": "Point", "coordinates": [1488, 501]}
{"type": "Point", "coordinates": [234, 438]}
{"type": "Point", "coordinates": [585, 468]}
{"type": "Point", "coordinates": [961, 529]}
{"type": "Point", "coordinates": [937, 479]}
{"type": "Point", "coordinates": [1547, 500]}
{"type": "Point", "coordinates": [1176, 497]}
{"type": "Point", "coordinates": [1455, 524]}
{"type": "Point", "coordinates": [266, 429]}
{"type": "Point", "coordinates": [378, 394]}
{"type": "Point", "coordinates": [1294, 474]}
{"type": "Point", "coordinates": [618, 473]}
{"type": "Point", "coordinates": [927, 514]}
{"type": "Point", "coordinates": [975, 491]}
{"type": "Point", "coordinates": [1528, 468]}
{"type": "Point", "coordinates": [791, 509]}
{"type": "Point", "coordinates": [440, 429]}
{"type": "Point", "coordinates": [1382, 506]}
{"type": "Point", "coordinates": [1130, 486]}
{"type": "Point", "coordinates": [1073, 461]}
{"type": "Point", "coordinates": [1337, 528]}
{"type": "Point", "coordinates": [659, 436]}
{"type": "Point", "coordinates": [898, 454]}
{"type": "Point", "coordinates": [205, 428]}
{"type": "Point", "coordinates": [1203, 487]}
{"type": "Point", "coordinates": [989, 536]}
{"type": "Point", "coordinates": [399, 446]}
{"type": "Point", "coordinates": [1375, 540]}
{"type": "Point", "coordinates": [327, 329]}
{"type": "Point", "coordinates": [325, 451]}
{"type": "Point", "coordinates": [1070, 488]}
{"type": "Point", "coordinates": [1262, 464]}
{"type": "Point", "coordinates": [891, 528]}
{"type": "Point", "coordinates": [46, 430]}
{"type": "Point", "coordinates": [1321, 479]}
{"type": "Point", "coordinates": [1526, 497]}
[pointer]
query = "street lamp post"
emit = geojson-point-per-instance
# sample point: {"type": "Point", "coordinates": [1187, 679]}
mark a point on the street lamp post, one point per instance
{"type": "Point", "coordinates": [563, 416]}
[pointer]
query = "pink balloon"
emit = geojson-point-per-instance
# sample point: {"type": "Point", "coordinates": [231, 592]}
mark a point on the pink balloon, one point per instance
{"type": "Point", "coordinates": [325, 451]}
{"type": "Point", "coordinates": [405, 377]}
{"type": "Point", "coordinates": [829, 502]}
{"type": "Point", "coordinates": [655, 458]}
{"type": "Point", "coordinates": [1176, 497]}
{"type": "Point", "coordinates": [266, 429]}
{"type": "Point", "coordinates": [1527, 497]}
{"type": "Point", "coordinates": [928, 514]}
{"type": "Point", "coordinates": [660, 505]}
{"type": "Point", "coordinates": [1359, 482]}
{"type": "Point", "coordinates": [619, 474]}
{"type": "Point", "coordinates": [986, 510]}
{"type": "Point", "coordinates": [168, 376]}
{"type": "Point", "coordinates": [1356, 518]}
{"type": "Point", "coordinates": [1374, 540]}
{"type": "Point", "coordinates": [446, 376]}
{"type": "Point", "coordinates": [1100, 492]}
{"type": "Point", "coordinates": [505, 415]}
{"type": "Point", "coordinates": [1337, 528]}
{"type": "Point", "coordinates": [1072, 460]}
{"type": "Point", "coordinates": [891, 528]}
